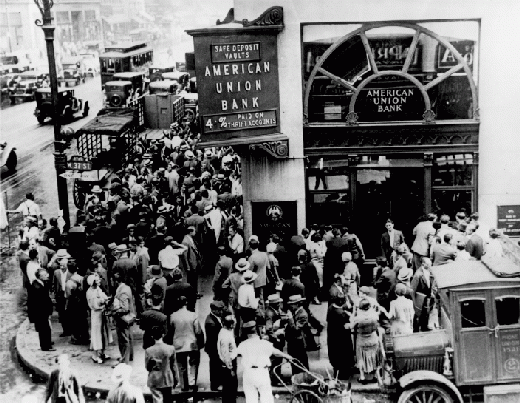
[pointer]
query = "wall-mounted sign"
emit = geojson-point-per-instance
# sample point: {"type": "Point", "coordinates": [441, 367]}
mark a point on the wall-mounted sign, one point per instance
{"type": "Point", "coordinates": [277, 217]}
{"type": "Point", "coordinates": [79, 164]}
{"type": "Point", "coordinates": [509, 219]}
{"type": "Point", "coordinates": [237, 80]}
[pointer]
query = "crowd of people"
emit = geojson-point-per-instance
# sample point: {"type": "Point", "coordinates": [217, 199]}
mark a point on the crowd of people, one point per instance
{"type": "Point", "coordinates": [174, 213]}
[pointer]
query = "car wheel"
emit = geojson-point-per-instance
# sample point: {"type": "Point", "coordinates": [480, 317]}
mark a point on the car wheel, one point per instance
{"type": "Point", "coordinates": [427, 393]}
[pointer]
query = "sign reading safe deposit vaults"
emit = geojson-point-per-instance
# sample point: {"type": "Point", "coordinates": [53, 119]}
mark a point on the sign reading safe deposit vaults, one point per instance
{"type": "Point", "coordinates": [237, 80]}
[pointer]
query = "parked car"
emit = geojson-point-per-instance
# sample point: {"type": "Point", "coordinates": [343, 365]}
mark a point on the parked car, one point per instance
{"type": "Point", "coordinates": [136, 78]}
{"type": "Point", "coordinates": [68, 105]}
{"type": "Point", "coordinates": [181, 77]}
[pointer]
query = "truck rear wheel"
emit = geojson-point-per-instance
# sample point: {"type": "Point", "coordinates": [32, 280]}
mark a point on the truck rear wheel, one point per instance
{"type": "Point", "coordinates": [427, 393]}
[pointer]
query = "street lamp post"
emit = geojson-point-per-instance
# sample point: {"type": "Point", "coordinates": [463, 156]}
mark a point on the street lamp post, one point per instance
{"type": "Point", "coordinates": [60, 159]}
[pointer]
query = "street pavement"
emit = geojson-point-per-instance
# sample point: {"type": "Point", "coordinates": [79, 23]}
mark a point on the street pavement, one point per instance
{"type": "Point", "coordinates": [96, 377]}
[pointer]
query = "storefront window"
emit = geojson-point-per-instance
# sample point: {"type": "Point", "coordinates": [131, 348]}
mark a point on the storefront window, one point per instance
{"type": "Point", "coordinates": [452, 201]}
{"type": "Point", "coordinates": [453, 170]}
{"type": "Point", "coordinates": [329, 208]}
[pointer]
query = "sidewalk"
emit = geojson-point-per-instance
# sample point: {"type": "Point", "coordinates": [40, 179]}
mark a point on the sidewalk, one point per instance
{"type": "Point", "coordinates": [96, 378]}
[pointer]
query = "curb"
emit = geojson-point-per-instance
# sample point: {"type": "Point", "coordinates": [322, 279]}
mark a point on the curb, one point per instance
{"type": "Point", "coordinates": [21, 352]}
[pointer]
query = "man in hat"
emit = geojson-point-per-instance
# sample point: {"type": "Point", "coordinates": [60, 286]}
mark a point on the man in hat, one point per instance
{"type": "Point", "coordinates": [153, 317]}
{"type": "Point", "coordinates": [259, 262]}
{"type": "Point", "coordinates": [231, 286]}
{"type": "Point", "coordinates": [227, 352]}
{"type": "Point", "coordinates": [192, 259]}
{"type": "Point", "coordinates": [169, 256]}
{"type": "Point", "coordinates": [275, 322]}
{"type": "Point", "coordinates": [444, 252]}
{"type": "Point", "coordinates": [214, 217]}
{"type": "Point", "coordinates": [247, 300]}
{"type": "Point", "coordinates": [186, 335]}
{"type": "Point", "coordinates": [124, 392]}
{"type": "Point", "coordinates": [60, 277]}
{"type": "Point", "coordinates": [425, 291]}
{"type": "Point", "coordinates": [296, 331]}
{"type": "Point", "coordinates": [212, 327]}
{"type": "Point", "coordinates": [256, 354]}
{"type": "Point", "coordinates": [236, 243]}
{"type": "Point", "coordinates": [421, 246]}
{"type": "Point", "coordinates": [42, 309]}
{"type": "Point", "coordinates": [178, 288]}
{"type": "Point", "coordinates": [293, 285]}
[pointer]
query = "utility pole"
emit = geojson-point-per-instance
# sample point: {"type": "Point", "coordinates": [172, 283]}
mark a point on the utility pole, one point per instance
{"type": "Point", "coordinates": [60, 159]}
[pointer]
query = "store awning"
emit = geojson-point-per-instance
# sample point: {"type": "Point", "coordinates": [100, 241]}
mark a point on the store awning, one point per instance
{"type": "Point", "coordinates": [275, 145]}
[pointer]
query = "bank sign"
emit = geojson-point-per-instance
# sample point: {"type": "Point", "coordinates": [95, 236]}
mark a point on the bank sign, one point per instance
{"type": "Point", "coordinates": [237, 80]}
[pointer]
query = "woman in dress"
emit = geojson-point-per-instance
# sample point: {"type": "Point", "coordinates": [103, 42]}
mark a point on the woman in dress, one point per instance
{"type": "Point", "coordinates": [493, 248]}
{"type": "Point", "coordinates": [97, 300]}
{"type": "Point", "coordinates": [339, 341]}
{"type": "Point", "coordinates": [351, 275]}
{"type": "Point", "coordinates": [401, 312]}
{"type": "Point", "coordinates": [369, 347]}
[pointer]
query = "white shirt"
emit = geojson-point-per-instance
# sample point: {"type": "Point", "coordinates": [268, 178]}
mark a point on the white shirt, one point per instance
{"type": "Point", "coordinates": [29, 207]}
{"type": "Point", "coordinates": [246, 296]}
{"type": "Point", "coordinates": [169, 257]}
{"type": "Point", "coordinates": [31, 234]}
{"type": "Point", "coordinates": [226, 347]}
{"type": "Point", "coordinates": [237, 244]}
{"type": "Point", "coordinates": [255, 352]}
{"type": "Point", "coordinates": [391, 234]}
{"type": "Point", "coordinates": [32, 268]}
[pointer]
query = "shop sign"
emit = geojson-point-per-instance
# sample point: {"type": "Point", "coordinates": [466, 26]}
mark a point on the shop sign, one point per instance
{"type": "Point", "coordinates": [275, 217]}
{"type": "Point", "coordinates": [237, 80]}
{"type": "Point", "coordinates": [446, 60]}
{"type": "Point", "coordinates": [509, 219]}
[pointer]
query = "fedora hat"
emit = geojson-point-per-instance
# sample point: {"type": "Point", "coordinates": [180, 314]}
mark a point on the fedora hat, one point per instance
{"type": "Point", "coordinates": [62, 254]}
{"type": "Point", "coordinates": [274, 298]}
{"type": "Point", "coordinates": [293, 299]}
{"type": "Point", "coordinates": [404, 274]}
{"type": "Point", "coordinates": [112, 246]}
{"type": "Point", "coordinates": [242, 265]}
{"type": "Point", "coordinates": [96, 189]}
{"type": "Point", "coordinates": [208, 208]}
{"type": "Point", "coordinates": [253, 238]}
{"type": "Point", "coordinates": [249, 325]}
{"type": "Point", "coordinates": [249, 276]}
{"type": "Point", "coordinates": [121, 248]}
{"type": "Point", "coordinates": [155, 271]}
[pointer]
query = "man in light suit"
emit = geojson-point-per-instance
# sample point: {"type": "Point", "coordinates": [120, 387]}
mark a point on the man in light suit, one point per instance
{"type": "Point", "coordinates": [185, 334]}
{"type": "Point", "coordinates": [425, 291]}
{"type": "Point", "coordinates": [259, 262]}
{"type": "Point", "coordinates": [422, 231]}
{"type": "Point", "coordinates": [390, 240]}
{"type": "Point", "coordinates": [59, 278]}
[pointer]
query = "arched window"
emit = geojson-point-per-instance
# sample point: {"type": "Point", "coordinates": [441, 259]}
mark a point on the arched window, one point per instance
{"type": "Point", "coordinates": [389, 71]}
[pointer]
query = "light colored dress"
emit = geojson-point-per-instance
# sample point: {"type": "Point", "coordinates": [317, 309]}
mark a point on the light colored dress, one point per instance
{"type": "Point", "coordinates": [369, 348]}
{"type": "Point", "coordinates": [402, 312]}
{"type": "Point", "coordinates": [95, 299]}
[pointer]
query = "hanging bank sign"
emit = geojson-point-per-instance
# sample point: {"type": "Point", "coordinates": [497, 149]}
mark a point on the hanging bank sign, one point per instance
{"type": "Point", "coordinates": [237, 80]}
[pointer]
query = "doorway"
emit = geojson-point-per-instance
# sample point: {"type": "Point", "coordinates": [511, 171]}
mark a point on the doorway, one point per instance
{"type": "Point", "coordinates": [395, 193]}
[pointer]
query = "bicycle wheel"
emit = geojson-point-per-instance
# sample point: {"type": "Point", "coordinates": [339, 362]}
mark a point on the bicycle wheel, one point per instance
{"type": "Point", "coordinates": [305, 396]}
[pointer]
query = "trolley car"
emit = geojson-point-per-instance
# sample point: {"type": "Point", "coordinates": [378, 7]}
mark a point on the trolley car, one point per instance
{"type": "Point", "coordinates": [128, 57]}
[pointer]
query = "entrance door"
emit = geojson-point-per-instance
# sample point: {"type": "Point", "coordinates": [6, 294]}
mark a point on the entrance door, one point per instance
{"type": "Point", "coordinates": [474, 350]}
{"type": "Point", "coordinates": [507, 333]}
{"type": "Point", "coordinates": [396, 193]}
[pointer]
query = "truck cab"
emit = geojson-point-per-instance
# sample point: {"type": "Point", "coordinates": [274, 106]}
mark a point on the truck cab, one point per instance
{"type": "Point", "coordinates": [182, 78]}
{"type": "Point", "coordinates": [137, 79]}
{"type": "Point", "coordinates": [156, 72]}
{"type": "Point", "coordinates": [74, 71]}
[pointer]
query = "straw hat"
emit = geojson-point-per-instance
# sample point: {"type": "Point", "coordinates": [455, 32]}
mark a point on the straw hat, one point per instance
{"type": "Point", "coordinates": [208, 208]}
{"type": "Point", "coordinates": [121, 248]}
{"type": "Point", "coordinates": [293, 299]}
{"type": "Point", "coordinates": [404, 274]}
{"type": "Point", "coordinates": [242, 265]}
{"type": "Point", "coordinates": [249, 276]}
{"type": "Point", "coordinates": [253, 238]}
{"type": "Point", "coordinates": [62, 254]}
{"type": "Point", "coordinates": [96, 189]}
{"type": "Point", "coordinates": [274, 299]}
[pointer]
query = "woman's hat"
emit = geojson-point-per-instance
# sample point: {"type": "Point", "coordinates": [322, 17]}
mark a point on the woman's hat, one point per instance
{"type": "Point", "coordinates": [293, 299]}
{"type": "Point", "coordinates": [63, 254]}
{"type": "Point", "coordinates": [96, 189]}
{"type": "Point", "coordinates": [346, 256]}
{"type": "Point", "coordinates": [121, 248]}
{"type": "Point", "coordinates": [249, 277]}
{"type": "Point", "coordinates": [155, 271]}
{"type": "Point", "coordinates": [274, 299]}
{"type": "Point", "coordinates": [112, 246]}
{"type": "Point", "coordinates": [122, 372]}
{"type": "Point", "coordinates": [242, 265]}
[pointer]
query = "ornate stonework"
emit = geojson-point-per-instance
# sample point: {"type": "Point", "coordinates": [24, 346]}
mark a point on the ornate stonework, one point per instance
{"type": "Point", "coordinates": [277, 149]}
{"type": "Point", "coordinates": [271, 16]}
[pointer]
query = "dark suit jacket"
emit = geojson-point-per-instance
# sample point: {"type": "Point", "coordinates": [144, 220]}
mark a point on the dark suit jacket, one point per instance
{"type": "Point", "coordinates": [212, 327]}
{"type": "Point", "coordinates": [332, 262]}
{"type": "Point", "coordinates": [53, 387]}
{"type": "Point", "coordinates": [443, 253]}
{"type": "Point", "coordinates": [150, 319]}
{"type": "Point", "coordinates": [172, 294]}
{"type": "Point", "coordinates": [292, 287]}
{"type": "Point", "coordinates": [133, 277]}
{"type": "Point", "coordinates": [42, 306]}
{"type": "Point", "coordinates": [59, 293]}
{"type": "Point", "coordinates": [386, 248]}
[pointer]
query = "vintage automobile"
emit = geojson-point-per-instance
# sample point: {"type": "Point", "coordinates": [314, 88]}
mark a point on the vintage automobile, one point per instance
{"type": "Point", "coordinates": [69, 106]}
{"type": "Point", "coordinates": [182, 78]}
{"type": "Point", "coordinates": [118, 93]}
{"type": "Point", "coordinates": [476, 348]}
{"type": "Point", "coordinates": [156, 71]}
{"type": "Point", "coordinates": [136, 78]}
{"type": "Point", "coordinates": [29, 82]}
{"type": "Point", "coordinates": [74, 71]}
